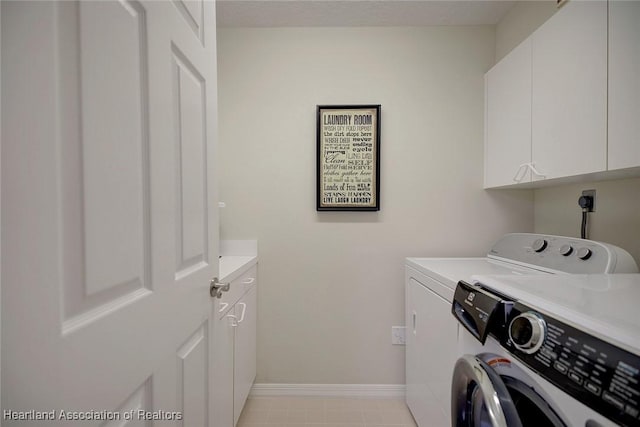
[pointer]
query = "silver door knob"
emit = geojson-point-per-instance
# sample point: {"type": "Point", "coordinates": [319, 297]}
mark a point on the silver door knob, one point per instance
{"type": "Point", "coordinates": [216, 288]}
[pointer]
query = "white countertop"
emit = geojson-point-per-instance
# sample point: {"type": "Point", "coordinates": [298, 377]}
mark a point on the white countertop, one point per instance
{"type": "Point", "coordinates": [449, 271]}
{"type": "Point", "coordinates": [231, 267]}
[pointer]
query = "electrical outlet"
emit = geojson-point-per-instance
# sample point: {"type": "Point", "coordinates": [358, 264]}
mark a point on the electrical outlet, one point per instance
{"type": "Point", "coordinates": [592, 194]}
{"type": "Point", "coordinates": [397, 335]}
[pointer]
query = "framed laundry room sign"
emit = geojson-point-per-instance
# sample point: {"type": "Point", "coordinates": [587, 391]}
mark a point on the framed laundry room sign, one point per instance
{"type": "Point", "coordinates": [348, 158]}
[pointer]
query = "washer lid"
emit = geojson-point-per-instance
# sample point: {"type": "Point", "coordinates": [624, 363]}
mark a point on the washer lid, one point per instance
{"type": "Point", "coordinates": [605, 305]}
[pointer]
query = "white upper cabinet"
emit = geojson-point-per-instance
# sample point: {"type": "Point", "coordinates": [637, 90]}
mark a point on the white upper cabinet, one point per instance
{"type": "Point", "coordinates": [569, 98]}
{"type": "Point", "coordinates": [624, 84]}
{"type": "Point", "coordinates": [562, 86]}
{"type": "Point", "coordinates": [508, 119]}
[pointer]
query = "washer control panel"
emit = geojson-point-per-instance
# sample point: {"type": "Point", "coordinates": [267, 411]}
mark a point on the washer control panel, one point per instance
{"type": "Point", "coordinates": [571, 255]}
{"type": "Point", "coordinates": [600, 375]}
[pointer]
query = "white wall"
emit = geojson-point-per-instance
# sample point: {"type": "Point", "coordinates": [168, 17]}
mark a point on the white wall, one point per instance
{"type": "Point", "coordinates": [617, 216]}
{"type": "Point", "coordinates": [616, 219]}
{"type": "Point", "coordinates": [331, 284]}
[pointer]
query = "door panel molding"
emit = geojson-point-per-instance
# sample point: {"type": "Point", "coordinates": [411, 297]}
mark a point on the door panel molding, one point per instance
{"type": "Point", "coordinates": [193, 394]}
{"type": "Point", "coordinates": [193, 13]}
{"type": "Point", "coordinates": [189, 97]}
{"type": "Point", "coordinates": [103, 132]}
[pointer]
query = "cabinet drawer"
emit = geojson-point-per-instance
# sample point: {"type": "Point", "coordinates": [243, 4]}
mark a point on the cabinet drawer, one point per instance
{"type": "Point", "coordinates": [238, 288]}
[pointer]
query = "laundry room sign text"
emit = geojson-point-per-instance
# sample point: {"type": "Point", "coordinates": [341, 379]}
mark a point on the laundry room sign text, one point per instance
{"type": "Point", "coordinates": [348, 158]}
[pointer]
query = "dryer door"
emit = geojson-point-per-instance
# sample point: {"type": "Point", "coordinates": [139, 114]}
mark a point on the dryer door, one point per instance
{"type": "Point", "coordinates": [479, 397]}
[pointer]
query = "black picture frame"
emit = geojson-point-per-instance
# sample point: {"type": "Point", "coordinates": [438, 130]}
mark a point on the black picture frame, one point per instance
{"type": "Point", "coordinates": [348, 158]}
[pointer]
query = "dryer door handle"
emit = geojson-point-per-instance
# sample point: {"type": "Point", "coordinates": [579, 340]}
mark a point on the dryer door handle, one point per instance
{"type": "Point", "coordinates": [476, 384]}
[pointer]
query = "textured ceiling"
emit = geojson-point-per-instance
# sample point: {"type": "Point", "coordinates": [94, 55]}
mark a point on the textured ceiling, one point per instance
{"type": "Point", "coordinates": [353, 13]}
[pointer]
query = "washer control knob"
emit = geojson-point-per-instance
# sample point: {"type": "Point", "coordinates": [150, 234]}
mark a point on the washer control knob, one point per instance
{"type": "Point", "coordinates": [566, 250]}
{"type": "Point", "coordinates": [527, 332]}
{"type": "Point", "coordinates": [584, 253]}
{"type": "Point", "coordinates": [539, 245]}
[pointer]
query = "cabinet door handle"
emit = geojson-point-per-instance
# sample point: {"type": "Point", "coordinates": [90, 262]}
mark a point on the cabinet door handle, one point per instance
{"type": "Point", "coordinates": [223, 307]}
{"type": "Point", "coordinates": [233, 320]}
{"type": "Point", "coordinates": [521, 172]}
{"type": "Point", "coordinates": [535, 171]}
{"type": "Point", "coordinates": [244, 310]}
{"type": "Point", "coordinates": [249, 281]}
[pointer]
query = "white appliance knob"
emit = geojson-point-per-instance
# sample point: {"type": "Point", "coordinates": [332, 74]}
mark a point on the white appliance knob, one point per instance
{"type": "Point", "coordinates": [566, 250]}
{"type": "Point", "coordinates": [527, 332]}
{"type": "Point", "coordinates": [584, 253]}
{"type": "Point", "coordinates": [539, 245]}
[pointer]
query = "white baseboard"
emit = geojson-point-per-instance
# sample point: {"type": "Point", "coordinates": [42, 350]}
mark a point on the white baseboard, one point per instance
{"type": "Point", "coordinates": [395, 391]}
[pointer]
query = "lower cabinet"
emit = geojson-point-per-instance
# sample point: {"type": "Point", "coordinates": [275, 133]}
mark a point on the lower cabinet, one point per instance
{"type": "Point", "coordinates": [244, 366]}
{"type": "Point", "coordinates": [234, 370]}
{"type": "Point", "coordinates": [223, 372]}
{"type": "Point", "coordinates": [431, 352]}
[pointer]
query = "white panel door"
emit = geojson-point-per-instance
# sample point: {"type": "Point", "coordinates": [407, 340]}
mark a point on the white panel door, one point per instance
{"type": "Point", "coordinates": [624, 84]}
{"type": "Point", "coordinates": [109, 222]}
{"type": "Point", "coordinates": [508, 119]}
{"type": "Point", "coordinates": [569, 109]}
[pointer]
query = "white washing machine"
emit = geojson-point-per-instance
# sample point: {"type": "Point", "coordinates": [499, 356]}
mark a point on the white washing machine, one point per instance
{"type": "Point", "coordinates": [548, 351]}
{"type": "Point", "coordinates": [431, 351]}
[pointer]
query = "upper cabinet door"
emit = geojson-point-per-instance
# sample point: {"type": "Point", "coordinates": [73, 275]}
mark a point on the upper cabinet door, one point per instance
{"type": "Point", "coordinates": [624, 84]}
{"type": "Point", "coordinates": [508, 119]}
{"type": "Point", "coordinates": [569, 107]}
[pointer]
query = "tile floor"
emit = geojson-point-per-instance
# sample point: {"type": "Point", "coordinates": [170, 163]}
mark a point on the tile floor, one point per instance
{"type": "Point", "coordinates": [324, 412]}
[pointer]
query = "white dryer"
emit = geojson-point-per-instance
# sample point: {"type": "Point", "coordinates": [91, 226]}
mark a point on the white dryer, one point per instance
{"type": "Point", "coordinates": [432, 333]}
{"type": "Point", "coordinates": [541, 351]}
